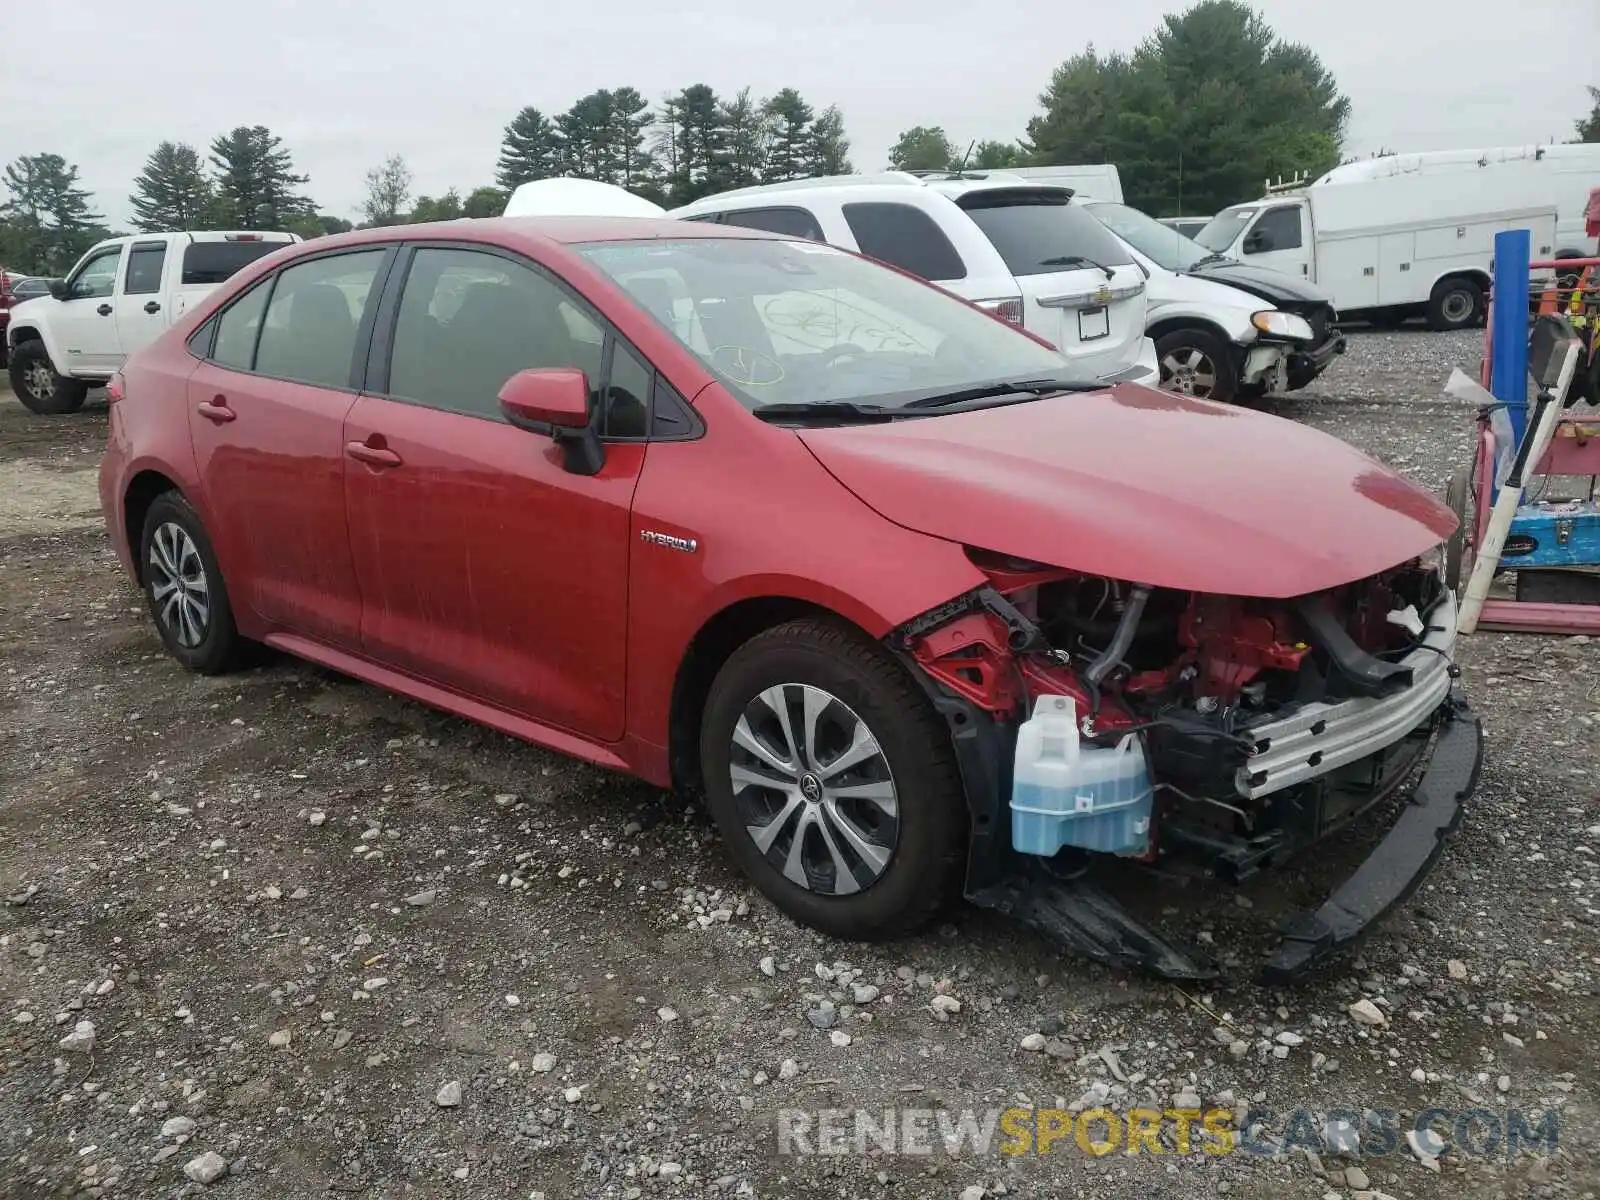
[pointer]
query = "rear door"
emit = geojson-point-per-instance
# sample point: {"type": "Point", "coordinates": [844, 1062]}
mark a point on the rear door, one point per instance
{"type": "Point", "coordinates": [267, 411]}
{"type": "Point", "coordinates": [140, 315]}
{"type": "Point", "coordinates": [1081, 288]}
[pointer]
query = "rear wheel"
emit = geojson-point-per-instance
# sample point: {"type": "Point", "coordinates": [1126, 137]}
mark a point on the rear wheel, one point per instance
{"type": "Point", "coordinates": [1456, 303]}
{"type": "Point", "coordinates": [1196, 363]}
{"type": "Point", "coordinates": [833, 781]}
{"type": "Point", "coordinates": [184, 589]}
{"type": "Point", "coordinates": [39, 387]}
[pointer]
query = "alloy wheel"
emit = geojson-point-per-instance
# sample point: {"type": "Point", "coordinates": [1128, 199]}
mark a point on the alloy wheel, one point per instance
{"type": "Point", "coordinates": [178, 585]}
{"type": "Point", "coordinates": [1189, 370]}
{"type": "Point", "coordinates": [813, 789]}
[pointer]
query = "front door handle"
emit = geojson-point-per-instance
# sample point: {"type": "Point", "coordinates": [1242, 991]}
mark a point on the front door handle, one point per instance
{"type": "Point", "coordinates": [152, 307]}
{"type": "Point", "coordinates": [373, 456]}
{"type": "Point", "coordinates": [216, 410]}
{"type": "Point", "coordinates": [104, 310]}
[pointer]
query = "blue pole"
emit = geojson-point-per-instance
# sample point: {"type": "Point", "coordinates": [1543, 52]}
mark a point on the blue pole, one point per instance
{"type": "Point", "coordinates": [1508, 350]}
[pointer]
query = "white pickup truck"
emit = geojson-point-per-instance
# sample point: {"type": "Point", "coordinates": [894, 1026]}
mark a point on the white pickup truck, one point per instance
{"type": "Point", "coordinates": [116, 300]}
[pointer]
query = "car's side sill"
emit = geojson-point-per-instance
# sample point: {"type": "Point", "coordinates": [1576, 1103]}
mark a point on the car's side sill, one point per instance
{"type": "Point", "coordinates": [434, 696]}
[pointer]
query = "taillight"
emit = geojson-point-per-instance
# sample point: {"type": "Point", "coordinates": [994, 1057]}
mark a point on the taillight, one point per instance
{"type": "Point", "coordinates": [114, 388]}
{"type": "Point", "coordinates": [1008, 310]}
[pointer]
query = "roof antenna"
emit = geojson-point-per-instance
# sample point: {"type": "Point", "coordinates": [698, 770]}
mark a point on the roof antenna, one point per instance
{"type": "Point", "coordinates": [962, 165]}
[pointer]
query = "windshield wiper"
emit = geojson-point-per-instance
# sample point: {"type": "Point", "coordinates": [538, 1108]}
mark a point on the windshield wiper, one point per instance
{"type": "Point", "coordinates": [1077, 260]}
{"type": "Point", "coordinates": [1023, 389]}
{"type": "Point", "coordinates": [1210, 258]}
{"type": "Point", "coordinates": [842, 410]}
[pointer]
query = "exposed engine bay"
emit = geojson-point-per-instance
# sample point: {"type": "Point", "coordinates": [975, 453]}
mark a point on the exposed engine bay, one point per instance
{"type": "Point", "coordinates": [1266, 724]}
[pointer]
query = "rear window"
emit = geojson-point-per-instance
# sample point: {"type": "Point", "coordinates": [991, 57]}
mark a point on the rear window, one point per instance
{"type": "Point", "coordinates": [905, 237]}
{"type": "Point", "coordinates": [1038, 232]}
{"type": "Point", "coordinates": [792, 222]}
{"type": "Point", "coordinates": [216, 262]}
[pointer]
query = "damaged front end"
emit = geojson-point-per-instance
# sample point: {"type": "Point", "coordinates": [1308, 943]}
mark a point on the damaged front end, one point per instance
{"type": "Point", "coordinates": [1262, 726]}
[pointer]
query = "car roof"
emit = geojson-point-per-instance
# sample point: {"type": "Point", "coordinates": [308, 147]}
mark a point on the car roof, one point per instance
{"type": "Point", "coordinates": [884, 184]}
{"type": "Point", "coordinates": [537, 232]}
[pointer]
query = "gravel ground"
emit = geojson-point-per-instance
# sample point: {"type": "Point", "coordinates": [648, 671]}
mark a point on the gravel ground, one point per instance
{"type": "Point", "coordinates": [292, 936]}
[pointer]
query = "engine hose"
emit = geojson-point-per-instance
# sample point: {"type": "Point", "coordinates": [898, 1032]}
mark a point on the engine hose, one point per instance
{"type": "Point", "coordinates": [1120, 640]}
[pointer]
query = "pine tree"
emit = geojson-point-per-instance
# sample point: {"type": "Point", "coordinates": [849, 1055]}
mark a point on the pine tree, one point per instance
{"type": "Point", "coordinates": [255, 180]}
{"type": "Point", "coordinates": [790, 150]}
{"type": "Point", "coordinates": [830, 149]}
{"type": "Point", "coordinates": [531, 149]}
{"type": "Point", "coordinates": [587, 134]}
{"type": "Point", "coordinates": [743, 159]}
{"type": "Point", "coordinates": [49, 217]}
{"type": "Point", "coordinates": [172, 193]}
{"type": "Point", "coordinates": [632, 166]}
{"type": "Point", "coordinates": [699, 141]}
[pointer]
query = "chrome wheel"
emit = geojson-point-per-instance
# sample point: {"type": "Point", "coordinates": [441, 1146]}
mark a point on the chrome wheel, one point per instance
{"type": "Point", "coordinates": [813, 789]}
{"type": "Point", "coordinates": [1189, 370]}
{"type": "Point", "coordinates": [178, 586]}
{"type": "Point", "coordinates": [40, 380]}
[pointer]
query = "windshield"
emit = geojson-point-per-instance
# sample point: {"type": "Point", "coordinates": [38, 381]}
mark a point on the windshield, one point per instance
{"type": "Point", "coordinates": [786, 322]}
{"type": "Point", "coordinates": [1224, 229]}
{"type": "Point", "coordinates": [1039, 230]}
{"type": "Point", "coordinates": [1161, 243]}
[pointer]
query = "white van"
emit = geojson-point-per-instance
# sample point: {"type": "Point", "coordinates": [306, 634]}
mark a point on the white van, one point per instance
{"type": "Point", "coordinates": [1023, 251]}
{"type": "Point", "coordinates": [1393, 246]}
{"type": "Point", "coordinates": [1223, 330]}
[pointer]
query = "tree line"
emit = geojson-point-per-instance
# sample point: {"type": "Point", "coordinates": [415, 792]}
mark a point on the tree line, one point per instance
{"type": "Point", "coordinates": [1195, 118]}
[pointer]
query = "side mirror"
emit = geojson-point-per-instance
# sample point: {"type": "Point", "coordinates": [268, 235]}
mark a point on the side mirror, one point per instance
{"type": "Point", "coordinates": [58, 289]}
{"type": "Point", "coordinates": [554, 401]}
{"type": "Point", "coordinates": [1257, 242]}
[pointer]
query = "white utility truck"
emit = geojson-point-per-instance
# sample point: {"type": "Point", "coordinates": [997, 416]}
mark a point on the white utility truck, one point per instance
{"type": "Point", "coordinates": [119, 297]}
{"type": "Point", "coordinates": [1393, 246]}
{"type": "Point", "coordinates": [1561, 174]}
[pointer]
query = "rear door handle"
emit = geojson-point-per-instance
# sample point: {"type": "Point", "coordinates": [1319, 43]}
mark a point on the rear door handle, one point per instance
{"type": "Point", "coordinates": [373, 456]}
{"type": "Point", "coordinates": [152, 307]}
{"type": "Point", "coordinates": [216, 411]}
{"type": "Point", "coordinates": [104, 310]}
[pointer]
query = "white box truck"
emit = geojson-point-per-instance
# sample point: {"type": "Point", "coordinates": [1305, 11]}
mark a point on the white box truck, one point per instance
{"type": "Point", "coordinates": [1390, 247]}
{"type": "Point", "coordinates": [1561, 174]}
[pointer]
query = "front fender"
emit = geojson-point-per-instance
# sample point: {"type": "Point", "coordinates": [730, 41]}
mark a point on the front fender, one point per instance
{"type": "Point", "coordinates": [30, 328]}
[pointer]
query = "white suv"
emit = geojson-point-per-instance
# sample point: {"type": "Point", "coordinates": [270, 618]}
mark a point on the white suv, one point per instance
{"type": "Point", "coordinates": [1023, 251]}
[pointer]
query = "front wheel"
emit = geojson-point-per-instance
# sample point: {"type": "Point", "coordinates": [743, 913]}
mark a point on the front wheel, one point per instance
{"type": "Point", "coordinates": [833, 781]}
{"type": "Point", "coordinates": [38, 385]}
{"type": "Point", "coordinates": [1197, 363]}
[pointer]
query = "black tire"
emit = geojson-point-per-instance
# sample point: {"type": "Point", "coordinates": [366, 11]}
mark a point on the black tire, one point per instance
{"type": "Point", "coordinates": [863, 682]}
{"type": "Point", "coordinates": [1456, 303]}
{"type": "Point", "coordinates": [1456, 495]}
{"type": "Point", "coordinates": [1183, 346]}
{"type": "Point", "coordinates": [35, 381]}
{"type": "Point", "coordinates": [218, 648]}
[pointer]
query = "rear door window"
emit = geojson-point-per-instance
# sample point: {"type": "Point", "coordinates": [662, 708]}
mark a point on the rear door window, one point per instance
{"type": "Point", "coordinates": [906, 237]}
{"type": "Point", "coordinates": [1039, 232]}
{"type": "Point", "coordinates": [794, 222]}
{"type": "Point", "coordinates": [309, 332]}
{"type": "Point", "coordinates": [217, 262]}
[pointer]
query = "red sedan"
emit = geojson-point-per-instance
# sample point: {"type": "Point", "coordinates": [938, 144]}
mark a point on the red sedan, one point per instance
{"type": "Point", "coordinates": [761, 519]}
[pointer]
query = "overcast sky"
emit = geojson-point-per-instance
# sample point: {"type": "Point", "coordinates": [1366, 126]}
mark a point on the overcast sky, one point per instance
{"type": "Point", "coordinates": [348, 82]}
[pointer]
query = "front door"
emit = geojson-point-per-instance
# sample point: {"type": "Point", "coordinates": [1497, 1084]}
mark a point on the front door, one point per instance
{"type": "Point", "coordinates": [84, 322]}
{"type": "Point", "coordinates": [267, 411]}
{"type": "Point", "coordinates": [1279, 239]}
{"type": "Point", "coordinates": [138, 313]}
{"type": "Point", "coordinates": [484, 565]}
